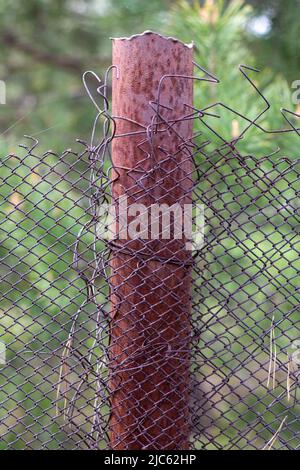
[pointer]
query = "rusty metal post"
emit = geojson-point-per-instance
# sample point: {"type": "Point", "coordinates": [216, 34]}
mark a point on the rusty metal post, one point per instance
{"type": "Point", "coordinates": [150, 279]}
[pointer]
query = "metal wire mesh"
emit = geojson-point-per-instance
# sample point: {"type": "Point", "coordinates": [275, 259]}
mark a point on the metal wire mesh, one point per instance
{"type": "Point", "coordinates": [239, 368]}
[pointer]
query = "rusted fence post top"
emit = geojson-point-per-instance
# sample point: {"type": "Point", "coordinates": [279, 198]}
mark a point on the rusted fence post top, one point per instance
{"type": "Point", "coordinates": [153, 33]}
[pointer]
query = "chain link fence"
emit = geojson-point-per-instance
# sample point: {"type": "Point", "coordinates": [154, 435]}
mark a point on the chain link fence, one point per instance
{"type": "Point", "coordinates": [224, 360]}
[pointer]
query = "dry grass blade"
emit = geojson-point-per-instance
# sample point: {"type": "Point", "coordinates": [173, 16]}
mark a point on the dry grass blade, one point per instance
{"type": "Point", "coordinates": [273, 439]}
{"type": "Point", "coordinates": [288, 379]}
{"type": "Point", "coordinates": [62, 384]}
{"type": "Point", "coordinates": [271, 359]}
{"type": "Point", "coordinates": [274, 359]}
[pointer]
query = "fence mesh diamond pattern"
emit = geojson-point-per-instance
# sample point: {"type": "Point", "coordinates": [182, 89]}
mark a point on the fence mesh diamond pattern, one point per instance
{"type": "Point", "coordinates": [57, 372]}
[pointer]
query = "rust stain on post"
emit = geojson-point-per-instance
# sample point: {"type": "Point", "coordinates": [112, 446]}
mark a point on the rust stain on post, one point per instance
{"type": "Point", "coordinates": [150, 279]}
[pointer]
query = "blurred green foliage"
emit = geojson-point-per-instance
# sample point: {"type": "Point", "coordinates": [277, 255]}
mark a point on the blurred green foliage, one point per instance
{"type": "Point", "coordinates": [279, 48]}
{"type": "Point", "coordinates": [46, 45]}
{"type": "Point", "coordinates": [221, 45]}
{"type": "Point", "coordinates": [43, 59]}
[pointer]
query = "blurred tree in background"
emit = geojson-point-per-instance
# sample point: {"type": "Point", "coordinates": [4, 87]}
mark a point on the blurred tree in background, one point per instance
{"type": "Point", "coordinates": [47, 44]}
{"type": "Point", "coordinates": [223, 40]}
{"type": "Point", "coordinates": [278, 43]}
